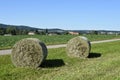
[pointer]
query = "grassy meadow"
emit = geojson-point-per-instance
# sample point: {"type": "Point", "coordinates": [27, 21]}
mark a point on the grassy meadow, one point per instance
{"type": "Point", "coordinates": [103, 63]}
{"type": "Point", "coordinates": [7, 42]}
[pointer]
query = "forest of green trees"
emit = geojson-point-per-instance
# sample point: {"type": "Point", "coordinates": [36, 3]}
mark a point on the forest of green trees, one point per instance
{"type": "Point", "coordinates": [24, 30]}
{"type": "Point", "coordinates": [12, 30]}
{"type": "Point", "coordinates": [16, 30]}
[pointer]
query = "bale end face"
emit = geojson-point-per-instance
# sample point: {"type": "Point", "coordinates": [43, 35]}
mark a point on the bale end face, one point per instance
{"type": "Point", "coordinates": [28, 52]}
{"type": "Point", "coordinates": [78, 47]}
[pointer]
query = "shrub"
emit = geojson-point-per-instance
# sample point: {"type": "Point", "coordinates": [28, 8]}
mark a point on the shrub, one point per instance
{"type": "Point", "coordinates": [78, 47]}
{"type": "Point", "coordinates": [29, 52]}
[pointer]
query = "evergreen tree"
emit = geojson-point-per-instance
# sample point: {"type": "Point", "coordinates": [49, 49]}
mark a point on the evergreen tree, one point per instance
{"type": "Point", "coordinates": [11, 30]}
{"type": "Point", "coordinates": [2, 31]}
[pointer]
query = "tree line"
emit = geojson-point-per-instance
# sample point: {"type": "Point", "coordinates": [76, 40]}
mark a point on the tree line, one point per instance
{"type": "Point", "coordinates": [13, 31]}
{"type": "Point", "coordinates": [16, 31]}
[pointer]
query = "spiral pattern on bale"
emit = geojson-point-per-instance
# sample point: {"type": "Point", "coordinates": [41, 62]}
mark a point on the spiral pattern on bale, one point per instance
{"type": "Point", "coordinates": [29, 52]}
{"type": "Point", "coordinates": [78, 47]}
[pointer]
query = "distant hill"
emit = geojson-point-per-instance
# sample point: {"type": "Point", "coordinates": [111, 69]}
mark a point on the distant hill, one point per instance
{"type": "Point", "coordinates": [21, 27]}
{"type": "Point", "coordinates": [29, 28]}
{"type": "Point", "coordinates": [56, 30]}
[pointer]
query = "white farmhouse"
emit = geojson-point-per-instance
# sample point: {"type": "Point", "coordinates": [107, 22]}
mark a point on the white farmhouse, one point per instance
{"type": "Point", "coordinates": [31, 33]}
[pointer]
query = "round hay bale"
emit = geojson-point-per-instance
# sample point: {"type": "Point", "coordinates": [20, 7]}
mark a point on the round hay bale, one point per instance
{"type": "Point", "coordinates": [78, 47]}
{"type": "Point", "coordinates": [29, 52]}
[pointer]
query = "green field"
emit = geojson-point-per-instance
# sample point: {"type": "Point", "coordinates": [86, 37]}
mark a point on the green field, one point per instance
{"type": "Point", "coordinates": [8, 41]}
{"type": "Point", "coordinates": [103, 64]}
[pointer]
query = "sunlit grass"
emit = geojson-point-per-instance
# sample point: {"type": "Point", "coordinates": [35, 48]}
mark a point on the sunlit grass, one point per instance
{"type": "Point", "coordinates": [7, 42]}
{"type": "Point", "coordinates": [102, 64]}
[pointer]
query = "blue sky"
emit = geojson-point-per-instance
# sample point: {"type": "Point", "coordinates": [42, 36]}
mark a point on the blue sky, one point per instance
{"type": "Point", "coordinates": [64, 14]}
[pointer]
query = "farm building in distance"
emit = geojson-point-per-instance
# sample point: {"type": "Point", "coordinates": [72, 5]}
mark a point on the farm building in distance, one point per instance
{"type": "Point", "coordinates": [101, 32]}
{"type": "Point", "coordinates": [73, 33]}
{"type": "Point", "coordinates": [31, 33]}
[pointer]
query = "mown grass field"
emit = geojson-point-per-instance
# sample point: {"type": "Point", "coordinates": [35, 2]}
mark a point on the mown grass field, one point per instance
{"type": "Point", "coordinates": [8, 41]}
{"type": "Point", "coordinates": [103, 64]}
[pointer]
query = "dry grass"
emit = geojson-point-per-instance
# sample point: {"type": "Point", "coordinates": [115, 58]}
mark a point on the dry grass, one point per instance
{"type": "Point", "coordinates": [78, 47]}
{"type": "Point", "coordinates": [28, 52]}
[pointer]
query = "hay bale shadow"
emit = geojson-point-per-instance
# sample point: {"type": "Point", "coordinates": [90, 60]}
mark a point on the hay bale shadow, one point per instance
{"type": "Point", "coordinates": [94, 55]}
{"type": "Point", "coordinates": [51, 63]}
